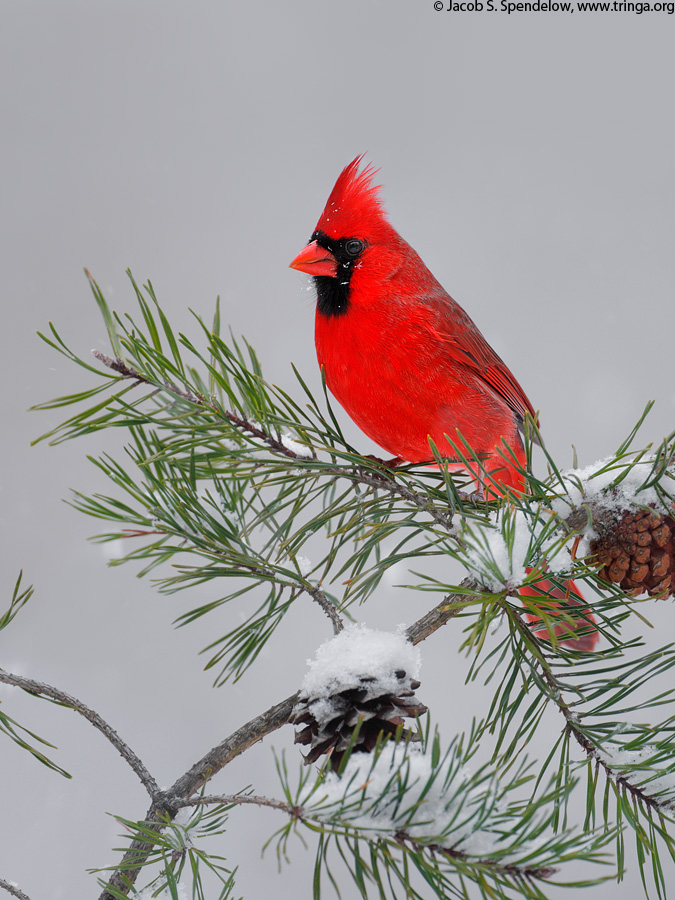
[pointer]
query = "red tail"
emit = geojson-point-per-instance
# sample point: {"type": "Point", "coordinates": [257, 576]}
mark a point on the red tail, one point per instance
{"type": "Point", "coordinates": [580, 633]}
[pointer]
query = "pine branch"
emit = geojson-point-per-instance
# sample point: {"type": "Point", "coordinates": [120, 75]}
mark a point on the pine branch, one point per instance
{"type": "Point", "coordinates": [447, 609]}
{"type": "Point", "coordinates": [13, 890]}
{"type": "Point", "coordinates": [454, 821]}
{"type": "Point", "coordinates": [270, 574]}
{"type": "Point", "coordinates": [573, 727]}
{"type": "Point", "coordinates": [318, 595]}
{"type": "Point", "coordinates": [375, 478]}
{"type": "Point", "coordinates": [239, 422]}
{"type": "Point", "coordinates": [242, 800]}
{"type": "Point", "coordinates": [39, 688]}
{"type": "Point", "coordinates": [401, 837]}
{"type": "Point", "coordinates": [239, 741]}
{"type": "Point", "coordinates": [278, 715]}
{"type": "Point", "coordinates": [621, 782]}
{"type": "Point", "coordinates": [178, 795]}
{"type": "Point", "coordinates": [414, 498]}
{"type": "Point", "coordinates": [520, 873]}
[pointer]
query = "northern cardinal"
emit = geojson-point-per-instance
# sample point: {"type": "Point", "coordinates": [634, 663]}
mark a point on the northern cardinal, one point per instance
{"type": "Point", "coordinates": [405, 360]}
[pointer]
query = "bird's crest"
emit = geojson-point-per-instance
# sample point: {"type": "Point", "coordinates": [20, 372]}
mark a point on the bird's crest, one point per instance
{"type": "Point", "coordinates": [354, 206]}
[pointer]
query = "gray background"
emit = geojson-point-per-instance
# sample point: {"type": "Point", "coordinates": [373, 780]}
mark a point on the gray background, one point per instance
{"type": "Point", "coordinates": [529, 159]}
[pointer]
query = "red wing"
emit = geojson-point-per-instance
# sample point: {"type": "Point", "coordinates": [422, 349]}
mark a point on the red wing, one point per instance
{"type": "Point", "coordinates": [474, 352]}
{"type": "Point", "coordinates": [497, 374]}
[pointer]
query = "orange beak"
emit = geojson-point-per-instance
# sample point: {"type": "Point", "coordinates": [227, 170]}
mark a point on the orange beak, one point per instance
{"type": "Point", "coordinates": [315, 260]}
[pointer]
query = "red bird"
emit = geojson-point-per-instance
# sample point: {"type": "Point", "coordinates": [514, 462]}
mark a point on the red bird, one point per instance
{"type": "Point", "coordinates": [404, 359]}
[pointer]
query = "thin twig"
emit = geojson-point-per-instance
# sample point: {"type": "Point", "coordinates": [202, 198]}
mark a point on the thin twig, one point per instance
{"type": "Point", "coordinates": [241, 422]}
{"type": "Point", "coordinates": [329, 608]}
{"type": "Point", "coordinates": [13, 889]}
{"type": "Point", "coordinates": [621, 781]}
{"type": "Point", "coordinates": [249, 734]}
{"type": "Point", "coordinates": [401, 837]}
{"type": "Point", "coordinates": [243, 799]}
{"type": "Point", "coordinates": [447, 609]}
{"type": "Point", "coordinates": [314, 592]}
{"type": "Point", "coordinates": [523, 873]}
{"type": "Point", "coordinates": [39, 688]}
{"type": "Point", "coordinates": [373, 479]}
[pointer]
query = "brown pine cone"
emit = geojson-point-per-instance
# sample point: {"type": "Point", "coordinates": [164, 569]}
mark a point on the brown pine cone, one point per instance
{"type": "Point", "coordinates": [637, 552]}
{"type": "Point", "coordinates": [330, 721]}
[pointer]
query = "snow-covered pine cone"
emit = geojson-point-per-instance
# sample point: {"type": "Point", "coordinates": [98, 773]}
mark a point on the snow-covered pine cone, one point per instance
{"type": "Point", "coordinates": [637, 552]}
{"type": "Point", "coordinates": [330, 721]}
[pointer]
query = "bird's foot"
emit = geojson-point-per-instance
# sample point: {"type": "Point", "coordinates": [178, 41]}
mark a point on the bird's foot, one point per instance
{"type": "Point", "coordinates": [384, 464]}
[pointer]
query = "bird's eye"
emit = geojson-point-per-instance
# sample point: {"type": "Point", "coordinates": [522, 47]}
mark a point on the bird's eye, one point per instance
{"type": "Point", "coordinates": [353, 247]}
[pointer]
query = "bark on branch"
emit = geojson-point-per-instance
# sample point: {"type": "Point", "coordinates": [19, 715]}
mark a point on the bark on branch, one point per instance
{"type": "Point", "coordinates": [40, 689]}
{"type": "Point", "coordinates": [13, 889]}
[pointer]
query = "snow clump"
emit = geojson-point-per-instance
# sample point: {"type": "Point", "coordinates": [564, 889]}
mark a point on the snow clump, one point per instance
{"type": "Point", "coordinates": [359, 657]}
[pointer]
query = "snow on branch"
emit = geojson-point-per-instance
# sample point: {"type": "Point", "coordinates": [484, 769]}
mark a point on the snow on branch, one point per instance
{"type": "Point", "coordinates": [438, 804]}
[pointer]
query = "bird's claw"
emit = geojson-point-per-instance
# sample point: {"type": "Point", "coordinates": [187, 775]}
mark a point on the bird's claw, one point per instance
{"type": "Point", "coordinates": [384, 464]}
